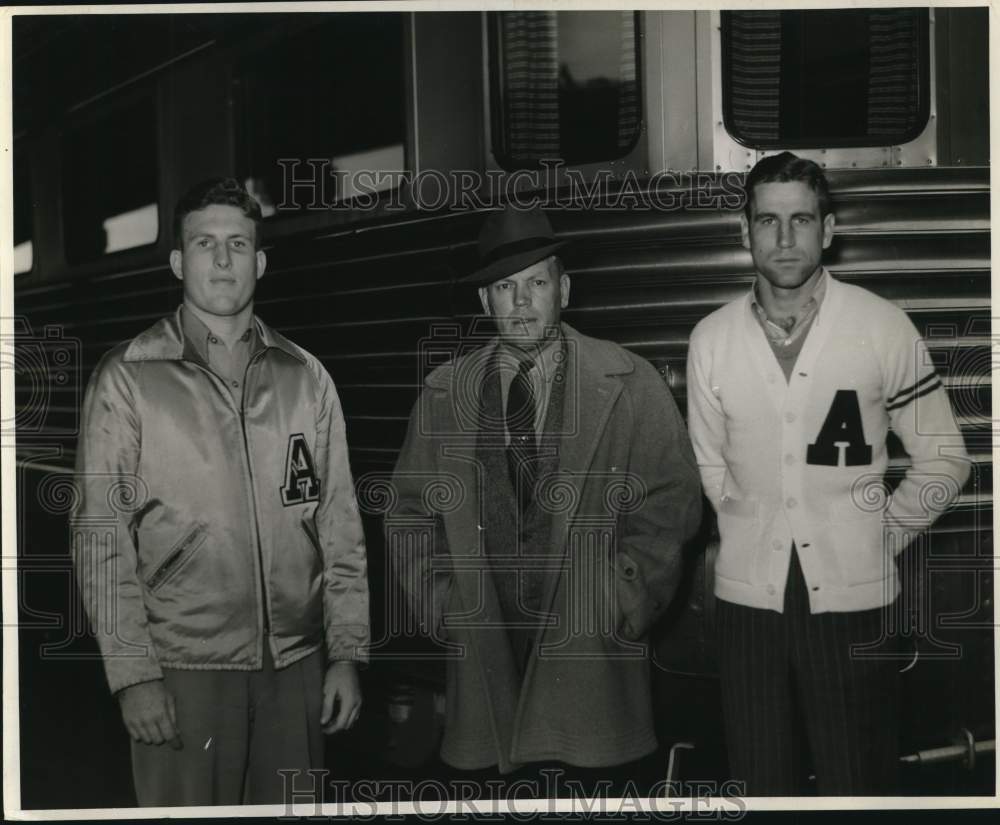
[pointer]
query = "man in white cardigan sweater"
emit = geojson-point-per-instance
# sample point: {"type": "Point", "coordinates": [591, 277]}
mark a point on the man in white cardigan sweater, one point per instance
{"type": "Point", "coordinates": [791, 392]}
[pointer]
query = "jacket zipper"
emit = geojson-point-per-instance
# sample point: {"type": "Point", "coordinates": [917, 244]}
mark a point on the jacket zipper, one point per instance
{"type": "Point", "coordinates": [266, 614]}
{"type": "Point", "coordinates": [253, 494]}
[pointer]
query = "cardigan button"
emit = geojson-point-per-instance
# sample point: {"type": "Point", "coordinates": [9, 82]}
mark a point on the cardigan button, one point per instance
{"type": "Point", "coordinates": [791, 503]}
{"type": "Point", "coordinates": [771, 590]}
{"type": "Point", "coordinates": [776, 544]}
{"type": "Point", "coordinates": [790, 417]}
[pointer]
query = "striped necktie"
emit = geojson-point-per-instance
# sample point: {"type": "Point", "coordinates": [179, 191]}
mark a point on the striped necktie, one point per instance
{"type": "Point", "coordinates": [522, 451]}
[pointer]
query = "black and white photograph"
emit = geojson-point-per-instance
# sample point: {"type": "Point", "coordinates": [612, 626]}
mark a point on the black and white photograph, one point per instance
{"type": "Point", "coordinates": [455, 411]}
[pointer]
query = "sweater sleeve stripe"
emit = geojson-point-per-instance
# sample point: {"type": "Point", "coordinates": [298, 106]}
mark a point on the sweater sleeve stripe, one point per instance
{"type": "Point", "coordinates": [899, 395]}
{"type": "Point", "coordinates": [936, 384]}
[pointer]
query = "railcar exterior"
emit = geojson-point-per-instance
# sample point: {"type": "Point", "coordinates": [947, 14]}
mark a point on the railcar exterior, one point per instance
{"type": "Point", "coordinates": [377, 141]}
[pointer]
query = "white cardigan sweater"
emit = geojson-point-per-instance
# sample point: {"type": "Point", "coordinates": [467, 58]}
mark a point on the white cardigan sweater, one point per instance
{"type": "Point", "coordinates": [803, 460]}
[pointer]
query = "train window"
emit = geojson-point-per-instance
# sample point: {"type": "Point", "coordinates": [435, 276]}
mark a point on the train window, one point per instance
{"type": "Point", "coordinates": [329, 97]}
{"type": "Point", "coordinates": [798, 79]}
{"type": "Point", "coordinates": [565, 86]}
{"type": "Point", "coordinates": [109, 182]}
{"type": "Point", "coordinates": [23, 226]}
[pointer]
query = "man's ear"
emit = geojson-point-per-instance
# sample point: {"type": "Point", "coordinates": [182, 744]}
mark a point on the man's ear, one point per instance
{"type": "Point", "coordinates": [176, 261]}
{"type": "Point", "coordinates": [261, 263]}
{"type": "Point", "coordinates": [828, 223]}
{"type": "Point", "coordinates": [484, 299]}
{"type": "Point", "coordinates": [563, 290]}
{"type": "Point", "coordinates": [745, 231]}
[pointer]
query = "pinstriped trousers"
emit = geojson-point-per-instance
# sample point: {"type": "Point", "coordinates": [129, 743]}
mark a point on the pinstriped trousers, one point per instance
{"type": "Point", "coordinates": [792, 673]}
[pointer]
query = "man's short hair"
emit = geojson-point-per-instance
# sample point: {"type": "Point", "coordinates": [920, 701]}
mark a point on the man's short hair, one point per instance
{"type": "Point", "coordinates": [556, 267]}
{"type": "Point", "coordinates": [786, 168]}
{"type": "Point", "coordinates": [216, 191]}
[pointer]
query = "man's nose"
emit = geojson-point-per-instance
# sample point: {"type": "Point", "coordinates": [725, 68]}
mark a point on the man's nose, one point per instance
{"type": "Point", "coordinates": [222, 256]}
{"type": "Point", "coordinates": [786, 236]}
{"type": "Point", "coordinates": [522, 295]}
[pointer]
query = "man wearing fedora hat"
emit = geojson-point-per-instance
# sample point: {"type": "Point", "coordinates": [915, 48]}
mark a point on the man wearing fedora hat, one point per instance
{"type": "Point", "coordinates": [574, 487]}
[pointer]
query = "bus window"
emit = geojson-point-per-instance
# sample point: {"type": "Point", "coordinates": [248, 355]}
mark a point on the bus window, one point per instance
{"type": "Point", "coordinates": [327, 97]}
{"type": "Point", "coordinates": [109, 182]}
{"type": "Point", "coordinates": [799, 79]}
{"type": "Point", "coordinates": [565, 86]}
{"type": "Point", "coordinates": [23, 246]}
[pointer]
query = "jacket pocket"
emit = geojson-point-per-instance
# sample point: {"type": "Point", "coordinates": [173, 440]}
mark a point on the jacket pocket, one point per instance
{"type": "Point", "coordinates": [860, 508]}
{"type": "Point", "coordinates": [741, 508]}
{"type": "Point", "coordinates": [738, 535]}
{"type": "Point", "coordinates": [858, 543]}
{"type": "Point", "coordinates": [634, 609]}
{"type": "Point", "coordinates": [177, 558]}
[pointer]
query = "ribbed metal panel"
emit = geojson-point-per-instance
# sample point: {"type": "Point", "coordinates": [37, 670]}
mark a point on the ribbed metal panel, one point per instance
{"type": "Point", "coordinates": [364, 298]}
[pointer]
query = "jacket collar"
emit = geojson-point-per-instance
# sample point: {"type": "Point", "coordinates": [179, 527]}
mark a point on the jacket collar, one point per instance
{"type": "Point", "coordinates": [164, 341]}
{"type": "Point", "coordinates": [600, 358]}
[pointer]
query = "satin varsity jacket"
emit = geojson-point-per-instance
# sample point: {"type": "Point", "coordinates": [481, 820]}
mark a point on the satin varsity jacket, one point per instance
{"type": "Point", "coordinates": [204, 528]}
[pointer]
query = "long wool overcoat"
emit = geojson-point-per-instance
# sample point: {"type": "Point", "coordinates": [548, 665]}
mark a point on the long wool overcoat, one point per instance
{"type": "Point", "coordinates": [625, 498]}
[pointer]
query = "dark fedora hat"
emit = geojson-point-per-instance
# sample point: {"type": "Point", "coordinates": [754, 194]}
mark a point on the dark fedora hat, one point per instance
{"type": "Point", "coordinates": [512, 239]}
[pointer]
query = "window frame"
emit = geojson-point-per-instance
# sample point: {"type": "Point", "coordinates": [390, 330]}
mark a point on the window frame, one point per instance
{"type": "Point", "coordinates": [923, 113]}
{"type": "Point", "coordinates": [282, 222]}
{"type": "Point", "coordinates": [724, 153]}
{"type": "Point", "coordinates": [495, 119]}
{"type": "Point", "coordinates": [87, 115]}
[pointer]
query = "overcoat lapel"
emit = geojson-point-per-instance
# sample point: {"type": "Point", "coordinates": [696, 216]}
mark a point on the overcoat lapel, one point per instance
{"type": "Point", "coordinates": [488, 650]}
{"type": "Point", "coordinates": [458, 443]}
{"type": "Point", "coordinates": [590, 395]}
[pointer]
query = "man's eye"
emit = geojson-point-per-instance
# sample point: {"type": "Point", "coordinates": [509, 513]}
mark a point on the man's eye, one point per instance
{"type": "Point", "coordinates": [203, 242]}
{"type": "Point", "coordinates": [239, 244]}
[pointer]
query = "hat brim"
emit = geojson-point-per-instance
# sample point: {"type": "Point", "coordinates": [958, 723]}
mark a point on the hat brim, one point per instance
{"type": "Point", "coordinates": [511, 264]}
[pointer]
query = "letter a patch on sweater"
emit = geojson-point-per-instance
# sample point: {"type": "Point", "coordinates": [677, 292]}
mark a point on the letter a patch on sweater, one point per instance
{"type": "Point", "coordinates": [842, 428]}
{"type": "Point", "coordinates": [301, 484]}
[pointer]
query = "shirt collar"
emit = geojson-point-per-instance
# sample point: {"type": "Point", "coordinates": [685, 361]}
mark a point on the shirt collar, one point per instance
{"type": "Point", "coordinates": [778, 332]}
{"type": "Point", "coordinates": [546, 361]}
{"type": "Point", "coordinates": [197, 333]}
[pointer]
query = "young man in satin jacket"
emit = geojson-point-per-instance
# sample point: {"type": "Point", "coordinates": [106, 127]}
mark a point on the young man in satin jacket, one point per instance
{"type": "Point", "coordinates": [217, 540]}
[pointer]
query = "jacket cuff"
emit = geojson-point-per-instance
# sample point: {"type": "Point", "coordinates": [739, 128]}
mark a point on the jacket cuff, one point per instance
{"type": "Point", "coordinates": [345, 651]}
{"type": "Point", "coordinates": [122, 674]}
{"type": "Point", "coordinates": [638, 608]}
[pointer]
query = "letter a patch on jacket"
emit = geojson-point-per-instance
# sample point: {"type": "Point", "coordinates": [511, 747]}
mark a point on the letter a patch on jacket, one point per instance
{"type": "Point", "coordinates": [301, 484]}
{"type": "Point", "coordinates": [842, 428]}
